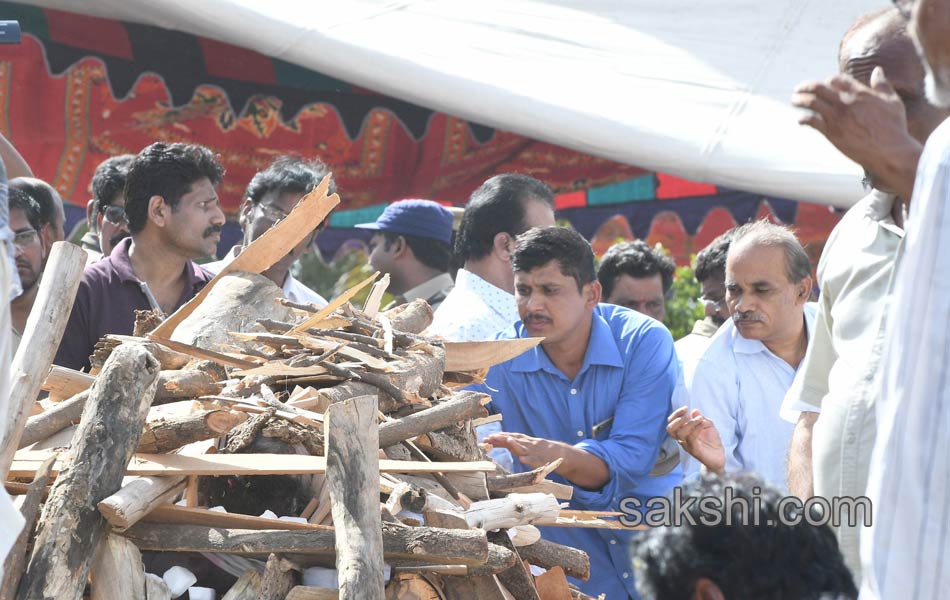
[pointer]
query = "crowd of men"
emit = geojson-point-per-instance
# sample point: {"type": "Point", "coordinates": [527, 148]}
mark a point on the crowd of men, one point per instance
{"type": "Point", "coordinates": [771, 393]}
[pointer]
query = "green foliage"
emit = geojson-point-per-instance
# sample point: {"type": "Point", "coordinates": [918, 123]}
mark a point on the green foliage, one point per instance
{"type": "Point", "coordinates": [684, 309]}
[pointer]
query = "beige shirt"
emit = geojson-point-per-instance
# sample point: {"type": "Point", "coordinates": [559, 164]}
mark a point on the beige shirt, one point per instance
{"type": "Point", "coordinates": [844, 354]}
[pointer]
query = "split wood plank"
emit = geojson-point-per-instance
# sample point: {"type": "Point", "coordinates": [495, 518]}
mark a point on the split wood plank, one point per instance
{"type": "Point", "coordinates": [28, 462]}
{"type": "Point", "coordinates": [326, 311]}
{"type": "Point", "coordinates": [117, 571]}
{"type": "Point", "coordinates": [182, 515]}
{"type": "Point", "coordinates": [66, 383]}
{"type": "Point", "coordinates": [262, 253]}
{"type": "Point", "coordinates": [41, 336]}
{"type": "Point", "coordinates": [133, 501]}
{"type": "Point", "coordinates": [472, 356]}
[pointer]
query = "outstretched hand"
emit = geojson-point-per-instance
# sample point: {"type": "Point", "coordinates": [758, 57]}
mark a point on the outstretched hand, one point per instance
{"type": "Point", "coordinates": [868, 124]}
{"type": "Point", "coordinates": [699, 437]}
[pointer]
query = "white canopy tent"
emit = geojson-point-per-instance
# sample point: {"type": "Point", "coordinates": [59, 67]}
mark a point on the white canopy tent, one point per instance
{"type": "Point", "coordinates": [694, 88]}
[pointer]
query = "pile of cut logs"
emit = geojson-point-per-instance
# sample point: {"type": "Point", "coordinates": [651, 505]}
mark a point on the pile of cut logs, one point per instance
{"type": "Point", "coordinates": [346, 429]}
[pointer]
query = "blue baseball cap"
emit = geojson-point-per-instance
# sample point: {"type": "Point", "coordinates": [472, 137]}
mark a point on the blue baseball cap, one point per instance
{"type": "Point", "coordinates": [421, 218]}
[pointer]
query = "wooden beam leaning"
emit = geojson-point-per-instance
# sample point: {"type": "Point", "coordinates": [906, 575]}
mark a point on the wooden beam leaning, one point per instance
{"type": "Point", "coordinates": [420, 544]}
{"type": "Point", "coordinates": [104, 442]}
{"type": "Point", "coordinates": [351, 448]}
{"type": "Point", "coordinates": [41, 336]}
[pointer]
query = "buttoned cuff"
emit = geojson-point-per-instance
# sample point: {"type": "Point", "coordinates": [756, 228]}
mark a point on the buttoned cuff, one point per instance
{"type": "Point", "coordinates": [605, 497]}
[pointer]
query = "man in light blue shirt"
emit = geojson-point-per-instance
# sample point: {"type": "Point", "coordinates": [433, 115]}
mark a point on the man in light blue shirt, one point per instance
{"type": "Point", "coordinates": [595, 393]}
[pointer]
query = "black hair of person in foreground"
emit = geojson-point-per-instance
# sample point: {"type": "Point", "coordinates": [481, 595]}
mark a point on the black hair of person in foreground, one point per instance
{"type": "Point", "coordinates": [694, 561]}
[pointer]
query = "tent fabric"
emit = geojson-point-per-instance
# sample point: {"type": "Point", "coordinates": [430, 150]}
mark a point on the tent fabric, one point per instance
{"type": "Point", "coordinates": [694, 88]}
{"type": "Point", "coordinates": [99, 87]}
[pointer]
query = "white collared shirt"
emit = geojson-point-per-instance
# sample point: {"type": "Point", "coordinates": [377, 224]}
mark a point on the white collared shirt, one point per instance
{"type": "Point", "coordinates": [906, 552]}
{"type": "Point", "coordinates": [293, 289]}
{"type": "Point", "coordinates": [474, 310]}
{"type": "Point", "coordinates": [739, 385]}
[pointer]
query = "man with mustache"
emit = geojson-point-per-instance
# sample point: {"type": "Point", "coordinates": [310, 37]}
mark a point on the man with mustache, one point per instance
{"type": "Point", "coordinates": [594, 394]}
{"type": "Point", "coordinates": [830, 453]}
{"type": "Point", "coordinates": [270, 196]}
{"type": "Point", "coordinates": [105, 212]}
{"type": "Point", "coordinates": [174, 217]}
{"type": "Point", "coordinates": [732, 422]}
{"type": "Point", "coordinates": [52, 216]}
{"type": "Point", "coordinates": [30, 255]}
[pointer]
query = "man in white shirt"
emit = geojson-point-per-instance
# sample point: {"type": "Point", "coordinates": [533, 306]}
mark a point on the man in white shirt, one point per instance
{"type": "Point", "coordinates": [732, 422]}
{"type": "Point", "coordinates": [482, 303]}
{"type": "Point", "coordinates": [413, 245]}
{"type": "Point", "coordinates": [270, 197]}
{"type": "Point", "coordinates": [830, 455]}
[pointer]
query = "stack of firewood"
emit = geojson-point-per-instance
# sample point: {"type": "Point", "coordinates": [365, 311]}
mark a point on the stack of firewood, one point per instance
{"type": "Point", "coordinates": [350, 422]}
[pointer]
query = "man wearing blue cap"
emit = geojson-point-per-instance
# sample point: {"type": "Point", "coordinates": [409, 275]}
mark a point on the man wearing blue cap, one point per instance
{"type": "Point", "coordinates": [413, 244]}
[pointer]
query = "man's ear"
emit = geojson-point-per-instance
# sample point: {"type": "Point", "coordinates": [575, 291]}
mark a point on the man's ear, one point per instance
{"type": "Point", "coordinates": [804, 290]}
{"type": "Point", "coordinates": [244, 214]}
{"type": "Point", "coordinates": [158, 211]}
{"type": "Point", "coordinates": [92, 214]}
{"type": "Point", "coordinates": [705, 589]}
{"type": "Point", "coordinates": [46, 236]}
{"type": "Point", "coordinates": [400, 247]}
{"type": "Point", "coordinates": [503, 245]}
{"type": "Point", "coordinates": [592, 293]}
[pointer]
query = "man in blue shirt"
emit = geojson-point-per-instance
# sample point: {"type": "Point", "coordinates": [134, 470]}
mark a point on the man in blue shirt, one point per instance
{"type": "Point", "coordinates": [595, 393]}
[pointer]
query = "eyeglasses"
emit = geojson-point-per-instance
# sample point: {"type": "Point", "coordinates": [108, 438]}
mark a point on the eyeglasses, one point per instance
{"type": "Point", "coordinates": [22, 239]}
{"type": "Point", "coordinates": [115, 215]}
{"type": "Point", "coordinates": [905, 7]}
{"type": "Point", "coordinates": [716, 305]}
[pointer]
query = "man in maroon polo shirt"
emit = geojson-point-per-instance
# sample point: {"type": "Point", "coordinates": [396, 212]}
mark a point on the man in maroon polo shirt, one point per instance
{"type": "Point", "coordinates": [174, 217]}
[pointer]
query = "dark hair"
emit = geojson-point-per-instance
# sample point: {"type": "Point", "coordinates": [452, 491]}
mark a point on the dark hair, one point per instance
{"type": "Point", "coordinates": [166, 170]}
{"type": "Point", "coordinates": [766, 233]}
{"type": "Point", "coordinates": [769, 560]}
{"type": "Point", "coordinates": [637, 260]}
{"type": "Point", "coordinates": [42, 193]}
{"type": "Point", "coordinates": [539, 246]}
{"type": "Point", "coordinates": [30, 207]}
{"type": "Point", "coordinates": [711, 260]}
{"type": "Point", "coordinates": [432, 253]}
{"type": "Point", "coordinates": [288, 174]}
{"type": "Point", "coordinates": [109, 179]}
{"type": "Point", "coordinates": [497, 206]}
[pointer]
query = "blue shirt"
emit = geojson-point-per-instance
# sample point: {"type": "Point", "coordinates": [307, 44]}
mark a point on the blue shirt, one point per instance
{"type": "Point", "coordinates": [629, 372]}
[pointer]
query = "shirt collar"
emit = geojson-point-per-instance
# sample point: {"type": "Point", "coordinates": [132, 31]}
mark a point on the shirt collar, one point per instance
{"type": "Point", "coordinates": [427, 289]}
{"type": "Point", "coordinates": [122, 265]}
{"type": "Point", "coordinates": [601, 350]}
{"type": "Point", "coordinates": [879, 209]}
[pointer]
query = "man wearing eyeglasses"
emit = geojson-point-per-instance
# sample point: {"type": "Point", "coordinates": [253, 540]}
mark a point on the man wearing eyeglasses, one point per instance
{"type": "Point", "coordinates": [105, 212]}
{"type": "Point", "coordinates": [270, 197]}
{"type": "Point", "coordinates": [30, 252]}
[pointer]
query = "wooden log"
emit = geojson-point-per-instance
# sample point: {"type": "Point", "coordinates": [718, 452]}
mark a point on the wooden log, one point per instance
{"type": "Point", "coordinates": [169, 359]}
{"type": "Point", "coordinates": [133, 501]}
{"type": "Point", "coordinates": [547, 555]}
{"type": "Point", "coordinates": [65, 383]}
{"type": "Point", "coordinates": [117, 571]}
{"type": "Point", "coordinates": [278, 578]}
{"type": "Point", "coordinates": [429, 544]}
{"type": "Point", "coordinates": [516, 579]}
{"type": "Point", "coordinates": [411, 586]}
{"type": "Point", "coordinates": [247, 587]}
{"type": "Point", "coordinates": [455, 442]}
{"type": "Point", "coordinates": [30, 509]}
{"type": "Point", "coordinates": [186, 383]}
{"type": "Point", "coordinates": [301, 592]}
{"type": "Point", "coordinates": [470, 587]}
{"type": "Point", "coordinates": [352, 442]}
{"type": "Point", "coordinates": [156, 588]}
{"type": "Point", "coordinates": [41, 337]}
{"type": "Point", "coordinates": [419, 373]}
{"type": "Point", "coordinates": [165, 435]}
{"type": "Point", "coordinates": [105, 440]}
{"type": "Point", "coordinates": [462, 406]}
{"type": "Point", "coordinates": [500, 483]}
{"type": "Point", "coordinates": [54, 420]}
{"type": "Point", "coordinates": [412, 317]}
{"type": "Point", "coordinates": [513, 510]}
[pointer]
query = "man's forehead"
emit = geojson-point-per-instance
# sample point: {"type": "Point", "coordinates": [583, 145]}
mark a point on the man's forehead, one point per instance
{"type": "Point", "coordinates": [18, 219]}
{"type": "Point", "coordinates": [550, 272]}
{"type": "Point", "coordinates": [755, 262]}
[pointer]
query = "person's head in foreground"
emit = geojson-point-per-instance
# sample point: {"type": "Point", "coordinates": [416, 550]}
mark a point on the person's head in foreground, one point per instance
{"type": "Point", "coordinates": [555, 284]}
{"type": "Point", "coordinates": [638, 277]}
{"type": "Point", "coordinates": [704, 558]}
{"type": "Point", "coordinates": [768, 282]}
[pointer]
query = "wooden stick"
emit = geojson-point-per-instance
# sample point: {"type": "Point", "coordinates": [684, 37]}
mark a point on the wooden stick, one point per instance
{"type": "Point", "coordinates": [66, 383]}
{"type": "Point", "coordinates": [138, 498]}
{"type": "Point", "coordinates": [412, 317]}
{"type": "Point", "coordinates": [312, 593]}
{"type": "Point", "coordinates": [441, 546]}
{"type": "Point", "coordinates": [278, 578]}
{"type": "Point", "coordinates": [498, 483]}
{"type": "Point", "coordinates": [247, 587]}
{"type": "Point", "coordinates": [156, 588]}
{"type": "Point", "coordinates": [516, 578]}
{"type": "Point", "coordinates": [352, 440]}
{"type": "Point", "coordinates": [547, 555]}
{"type": "Point", "coordinates": [41, 336]}
{"type": "Point", "coordinates": [54, 420]}
{"type": "Point", "coordinates": [117, 571]}
{"type": "Point", "coordinates": [462, 406]}
{"type": "Point", "coordinates": [16, 559]}
{"type": "Point", "coordinates": [513, 510]}
{"type": "Point", "coordinates": [107, 435]}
